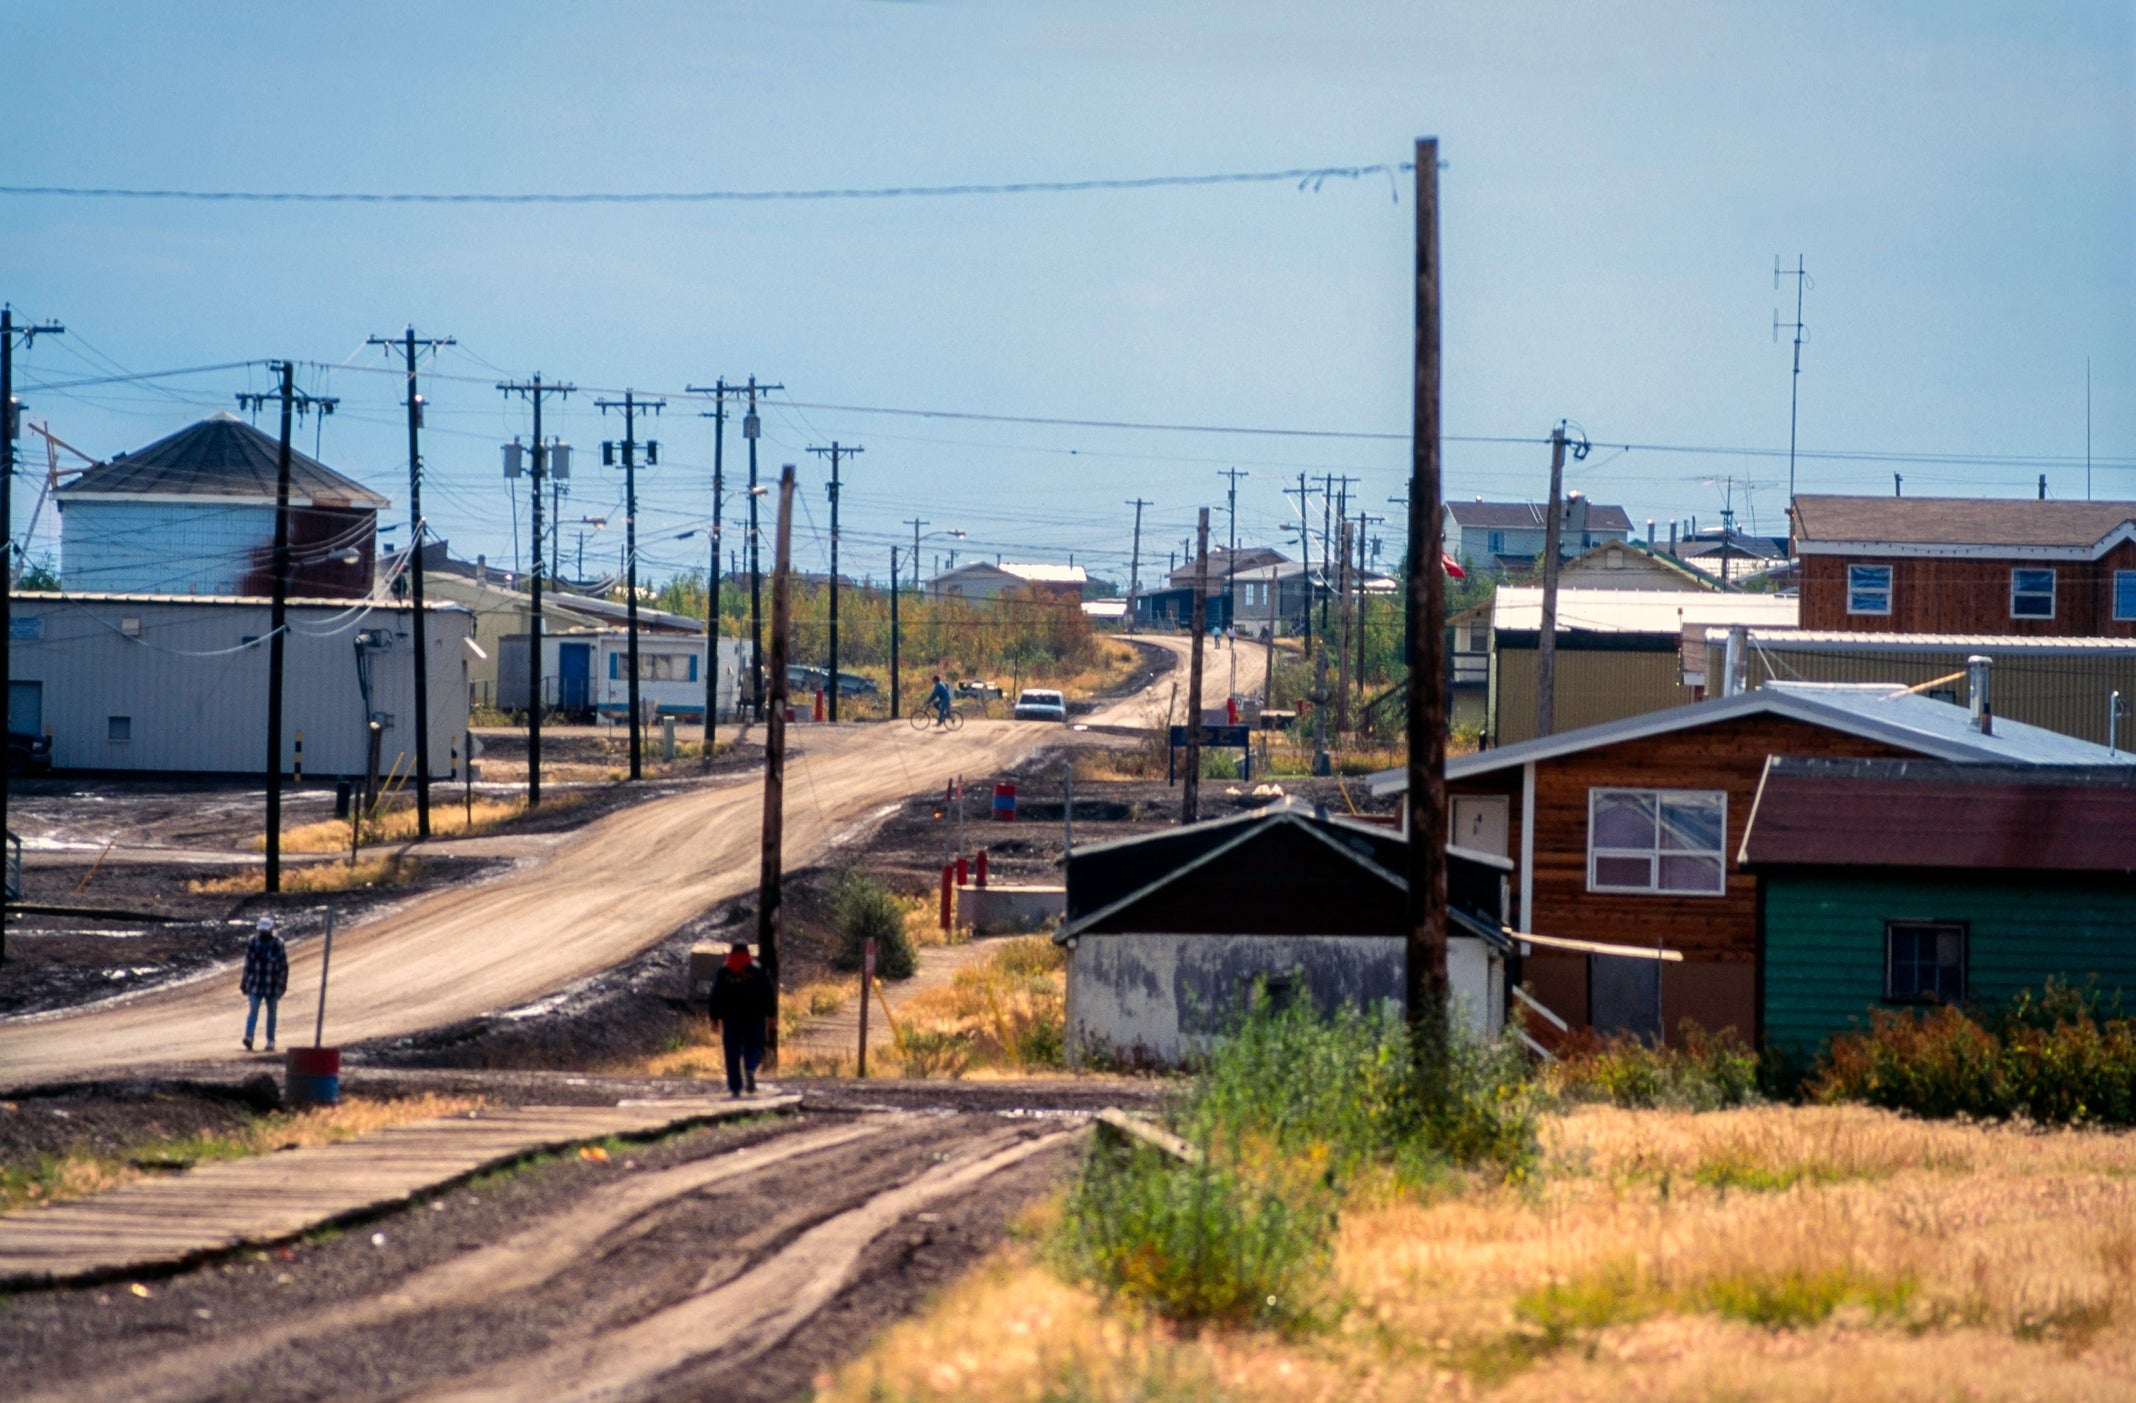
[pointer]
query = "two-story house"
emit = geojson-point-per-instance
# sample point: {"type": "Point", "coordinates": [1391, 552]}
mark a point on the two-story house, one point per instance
{"type": "Point", "coordinates": [1964, 565]}
{"type": "Point", "coordinates": [1508, 536]}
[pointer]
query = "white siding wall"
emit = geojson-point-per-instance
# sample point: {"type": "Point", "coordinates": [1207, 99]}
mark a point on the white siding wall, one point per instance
{"type": "Point", "coordinates": [161, 547]}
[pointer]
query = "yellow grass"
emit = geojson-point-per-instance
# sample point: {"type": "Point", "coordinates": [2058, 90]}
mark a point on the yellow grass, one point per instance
{"type": "Point", "coordinates": [389, 871]}
{"type": "Point", "coordinates": [76, 1174]}
{"type": "Point", "coordinates": [1820, 1253]}
{"type": "Point", "coordinates": [449, 818]}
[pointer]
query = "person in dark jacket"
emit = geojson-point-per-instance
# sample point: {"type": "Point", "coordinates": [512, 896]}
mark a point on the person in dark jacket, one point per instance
{"type": "Point", "coordinates": [266, 978]}
{"type": "Point", "coordinates": [741, 1001]}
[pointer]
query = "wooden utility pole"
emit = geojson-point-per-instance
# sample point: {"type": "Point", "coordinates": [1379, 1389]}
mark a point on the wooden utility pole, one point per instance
{"type": "Point", "coordinates": [835, 452]}
{"type": "Point", "coordinates": [1546, 639]}
{"type": "Point", "coordinates": [534, 390]}
{"type": "Point", "coordinates": [10, 425]}
{"type": "Point", "coordinates": [719, 392]}
{"type": "Point", "coordinates": [769, 875]}
{"type": "Point", "coordinates": [1305, 558]}
{"type": "Point", "coordinates": [1134, 562]}
{"type": "Point", "coordinates": [1342, 652]}
{"type": "Point", "coordinates": [1190, 792]}
{"type": "Point", "coordinates": [752, 430]}
{"type": "Point", "coordinates": [894, 703]}
{"type": "Point", "coordinates": [1425, 947]}
{"type": "Point", "coordinates": [1231, 573]}
{"type": "Point", "coordinates": [409, 343]}
{"type": "Point", "coordinates": [632, 407]}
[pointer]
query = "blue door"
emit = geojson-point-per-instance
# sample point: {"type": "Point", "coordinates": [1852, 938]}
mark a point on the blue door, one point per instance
{"type": "Point", "coordinates": [574, 681]}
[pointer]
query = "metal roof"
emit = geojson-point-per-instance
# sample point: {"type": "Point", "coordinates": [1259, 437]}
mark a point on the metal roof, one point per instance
{"type": "Point", "coordinates": [1531, 516]}
{"type": "Point", "coordinates": [1880, 711]}
{"type": "Point", "coordinates": [220, 600]}
{"type": "Point", "coordinates": [1519, 608]}
{"type": "Point", "coordinates": [1839, 640]}
{"type": "Point", "coordinates": [1932, 814]}
{"type": "Point", "coordinates": [220, 457]}
{"type": "Point", "coordinates": [1825, 524]}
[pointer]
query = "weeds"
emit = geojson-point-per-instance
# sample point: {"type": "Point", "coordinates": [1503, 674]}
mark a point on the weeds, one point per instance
{"type": "Point", "coordinates": [1707, 1072]}
{"type": "Point", "coordinates": [1008, 1012]}
{"type": "Point", "coordinates": [389, 871]}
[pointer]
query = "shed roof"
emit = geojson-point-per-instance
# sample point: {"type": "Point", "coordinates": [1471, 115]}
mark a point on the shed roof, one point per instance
{"type": "Point", "coordinates": [222, 456]}
{"type": "Point", "coordinates": [1880, 711]}
{"type": "Point", "coordinates": [1519, 608]}
{"type": "Point", "coordinates": [1933, 814]}
{"type": "Point", "coordinates": [1825, 524]}
{"type": "Point", "coordinates": [1847, 641]}
{"type": "Point", "coordinates": [1523, 516]}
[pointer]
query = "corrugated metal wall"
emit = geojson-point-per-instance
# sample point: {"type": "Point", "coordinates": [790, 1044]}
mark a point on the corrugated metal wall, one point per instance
{"type": "Point", "coordinates": [2063, 692]}
{"type": "Point", "coordinates": [174, 687]}
{"type": "Point", "coordinates": [161, 547]}
{"type": "Point", "coordinates": [1592, 687]}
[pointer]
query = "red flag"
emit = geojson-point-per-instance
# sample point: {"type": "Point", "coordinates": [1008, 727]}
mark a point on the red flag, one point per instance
{"type": "Point", "coordinates": [1453, 567]}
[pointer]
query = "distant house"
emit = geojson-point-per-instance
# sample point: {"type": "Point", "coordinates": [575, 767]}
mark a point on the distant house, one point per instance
{"type": "Point", "coordinates": [1629, 833]}
{"type": "Point", "coordinates": [1630, 565]}
{"type": "Point", "coordinates": [983, 581]}
{"type": "Point", "coordinates": [1903, 884]}
{"type": "Point", "coordinates": [1276, 597]}
{"type": "Point", "coordinates": [585, 673]}
{"type": "Point", "coordinates": [194, 513]}
{"type": "Point", "coordinates": [1966, 565]}
{"type": "Point", "coordinates": [1620, 652]}
{"type": "Point", "coordinates": [1736, 557]}
{"type": "Point", "coordinates": [1508, 536]}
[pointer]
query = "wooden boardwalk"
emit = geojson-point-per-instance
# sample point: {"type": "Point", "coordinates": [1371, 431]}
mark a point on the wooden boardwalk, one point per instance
{"type": "Point", "coordinates": [154, 1225]}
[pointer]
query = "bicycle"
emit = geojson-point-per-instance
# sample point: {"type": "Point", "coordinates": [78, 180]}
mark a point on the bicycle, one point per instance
{"type": "Point", "coordinates": [924, 719]}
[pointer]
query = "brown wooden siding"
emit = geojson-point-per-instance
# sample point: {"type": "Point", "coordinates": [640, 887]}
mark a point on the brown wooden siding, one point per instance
{"type": "Point", "coordinates": [1968, 596]}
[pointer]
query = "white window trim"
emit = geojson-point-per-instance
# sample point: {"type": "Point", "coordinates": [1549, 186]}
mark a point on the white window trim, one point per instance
{"type": "Point", "coordinates": [1887, 589]}
{"type": "Point", "coordinates": [1593, 852]}
{"type": "Point", "coordinates": [2115, 603]}
{"type": "Point", "coordinates": [2054, 591]}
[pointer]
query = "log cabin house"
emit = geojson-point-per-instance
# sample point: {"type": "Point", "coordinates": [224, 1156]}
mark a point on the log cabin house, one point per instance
{"type": "Point", "coordinates": [1627, 833]}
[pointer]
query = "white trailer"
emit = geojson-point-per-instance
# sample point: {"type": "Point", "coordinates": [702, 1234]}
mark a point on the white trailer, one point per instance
{"type": "Point", "coordinates": [585, 674]}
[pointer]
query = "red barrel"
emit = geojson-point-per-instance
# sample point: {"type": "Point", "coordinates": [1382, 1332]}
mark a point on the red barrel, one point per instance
{"type": "Point", "coordinates": [313, 1076]}
{"type": "Point", "coordinates": [1005, 802]}
{"type": "Point", "coordinates": [979, 877]}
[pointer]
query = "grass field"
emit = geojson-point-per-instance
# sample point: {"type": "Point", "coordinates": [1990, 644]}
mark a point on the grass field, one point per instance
{"type": "Point", "coordinates": [1825, 1252]}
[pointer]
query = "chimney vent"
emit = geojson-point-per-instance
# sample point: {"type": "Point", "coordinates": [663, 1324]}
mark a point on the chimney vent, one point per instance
{"type": "Point", "coordinates": [1976, 672]}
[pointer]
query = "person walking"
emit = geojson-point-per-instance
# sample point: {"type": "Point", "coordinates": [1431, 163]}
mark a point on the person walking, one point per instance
{"type": "Point", "coordinates": [740, 1002]}
{"type": "Point", "coordinates": [266, 978]}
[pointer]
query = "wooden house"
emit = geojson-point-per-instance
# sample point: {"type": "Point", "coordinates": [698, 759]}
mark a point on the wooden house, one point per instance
{"type": "Point", "coordinates": [1506, 537]}
{"type": "Point", "coordinates": [1908, 883]}
{"type": "Point", "coordinates": [1961, 565]}
{"type": "Point", "coordinates": [1628, 833]}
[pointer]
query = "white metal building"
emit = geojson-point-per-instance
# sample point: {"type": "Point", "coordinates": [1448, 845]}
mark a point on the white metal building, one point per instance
{"type": "Point", "coordinates": [585, 672]}
{"type": "Point", "coordinates": [175, 684]}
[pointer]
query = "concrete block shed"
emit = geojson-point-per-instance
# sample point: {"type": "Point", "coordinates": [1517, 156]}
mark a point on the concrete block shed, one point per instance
{"type": "Point", "coordinates": [1905, 884]}
{"type": "Point", "coordinates": [1169, 934]}
{"type": "Point", "coordinates": [178, 684]}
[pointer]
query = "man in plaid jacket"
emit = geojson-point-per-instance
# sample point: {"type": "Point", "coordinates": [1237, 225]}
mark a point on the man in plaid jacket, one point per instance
{"type": "Point", "coordinates": [266, 978]}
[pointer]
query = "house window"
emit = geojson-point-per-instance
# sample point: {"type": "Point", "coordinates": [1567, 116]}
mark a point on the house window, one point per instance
{"type": "Point", "coordinates": [2125, 594]}
{"type": "Point", "coordinates": [1496, 542]}
{"type": "Point", "coordinates": [1868, 589]}
{"type": "Point", "coordinates": [1667, 841]}
{"type": "Point", "coordinates": [118, 728]}
{"type": "Point", "coordinates": [2032, 594]}
{"type": "Point", "coordinates": [1924, 962]}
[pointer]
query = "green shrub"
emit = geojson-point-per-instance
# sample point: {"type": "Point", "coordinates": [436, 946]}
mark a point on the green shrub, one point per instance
{"type": "Point", "coordinates": [863, 909]}
{"type": "Point", "coordinates": [2064, 1056]}
{"type": "Point", "coordinates": [1704, 1072]}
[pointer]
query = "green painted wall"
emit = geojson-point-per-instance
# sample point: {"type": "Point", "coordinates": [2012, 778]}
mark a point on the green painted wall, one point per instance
{"type": "Point", "coordinates": [1824, 940]}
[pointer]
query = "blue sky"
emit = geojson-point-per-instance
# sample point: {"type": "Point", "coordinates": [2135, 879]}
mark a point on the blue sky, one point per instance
{"type": "Point", "coordinates": [1961, 179]}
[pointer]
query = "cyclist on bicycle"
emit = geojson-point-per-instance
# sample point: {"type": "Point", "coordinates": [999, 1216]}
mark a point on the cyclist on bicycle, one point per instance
{"type": "Point", "coordinates": [938, 698]}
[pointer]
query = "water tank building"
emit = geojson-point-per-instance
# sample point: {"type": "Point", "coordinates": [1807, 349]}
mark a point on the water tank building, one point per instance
{"type": "Point", "coordinates": [193, 514]}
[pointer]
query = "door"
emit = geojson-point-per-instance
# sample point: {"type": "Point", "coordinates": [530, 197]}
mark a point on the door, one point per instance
{"type": "Point", "coordinates": [574, 676]}
{"type": "Point", "coordinates": [25, 708]}
{"type": "Point", "coordinates": [1479, 823]}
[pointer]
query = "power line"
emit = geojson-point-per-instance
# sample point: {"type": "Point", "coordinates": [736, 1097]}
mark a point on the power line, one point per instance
{"type": "Point", "coordinates": [1307, 178]}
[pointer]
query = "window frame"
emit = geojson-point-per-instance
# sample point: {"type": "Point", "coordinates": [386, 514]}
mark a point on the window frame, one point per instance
{"type": "Point", "coordinates": [1920, 925]}
{"type": "Point", "coordinates": [2120, 579]}
{"type": "Point", "coordinates": [118, 730]}
{"type": "Point", "coordinates": [1495, 542]}
{"type": "Point", "coordinates": [2052, 592]}
{"type": "Point", "coordinates": [1654, 854]}
{"type": "Point", "coordinates": [1855, 591]}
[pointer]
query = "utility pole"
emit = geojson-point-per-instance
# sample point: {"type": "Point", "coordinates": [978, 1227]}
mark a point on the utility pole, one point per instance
{"type": "Point", "coordinates": [10, 426]}
{"type": "Point", "coordinates": [1190, 792]}
{"type": "Point", "coordinates": [1342, 653]}
{"type": "Point", "coordinates": [834, 452]}
{"type": "Point", "coordinates": [1305, 557]}
{"type": "Point", "coordinates": [632, 407]}
{"type": "Point", "coordinates": [719, 392]}
{"type": "Point", "coordinates": [752, 430]}
{"type": "Point", "coordinates": [1546, 640]}
{"type": "Point", "coordinates": [278, 617]}
{"type": "Point", "coordinates": [1425, 946]}
{"type": "Point", "coordinates": [409, 343]}
{"type": "Point", "coordinates": [894, 703]}
{"type": "Point", "coordinates": [1794, 385]}
{"type": "Point", "coordinates": [1134, 561]}
{"type": "Point", "coordinates": [769, 878]}
{"type": "Point", "coordinates": [915, 523]}
{"type": "Point", "coordinates": [1231, 570]}
{"type": "Point", "coordinates": [1365, 522]}
{"type": "Point", "coordinates": [533, 390]}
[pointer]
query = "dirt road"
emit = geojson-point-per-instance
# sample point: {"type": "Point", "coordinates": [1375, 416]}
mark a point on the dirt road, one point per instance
{"type": "Point", "coordinates": [606, 893]}
{"type": "Point", "coordinates": [1145, 707]}
{"type": "Point", "coordinates": [731, 1263]}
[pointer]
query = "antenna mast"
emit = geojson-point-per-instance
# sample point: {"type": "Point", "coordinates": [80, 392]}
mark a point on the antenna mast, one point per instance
{"type": "Point", "coordinates": [1802, 281]}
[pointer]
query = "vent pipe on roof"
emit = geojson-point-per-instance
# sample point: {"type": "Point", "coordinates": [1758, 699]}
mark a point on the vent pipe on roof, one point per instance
{"type": "Point", "coordinates": [1650, 533]}
{"type": "Point", "coordinates": [2113, 722]}
{"type": "Point", "coordinates": [1732, 661]}
{"type": "Point", "coordinates": [2043, 487]}
{"type": "Point", "coordinates": [1976, 675]}
{"type": "Point", "coordinates": [1672, 538]}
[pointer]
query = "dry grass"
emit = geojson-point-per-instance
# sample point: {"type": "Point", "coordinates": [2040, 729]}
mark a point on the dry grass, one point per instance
{"type": "Point", "coordinates": [1796, 1253]}
{"type": "Point", "coordinates": [389, 871]}
{"type": "Point", "coordinates": [57, 1178]}
{"type": "Point", "coordinates": [398, 825]}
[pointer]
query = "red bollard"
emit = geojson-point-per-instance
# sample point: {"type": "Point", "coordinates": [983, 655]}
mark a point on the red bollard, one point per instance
{"type": "Point", "coordinates": [964, 874]}
{"type": "Point", "coordinates": [818, 716]}
{"type": "Point", "coordinates": [948, 894]}
{"type": "Point", "coordinates": [980, 879]}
